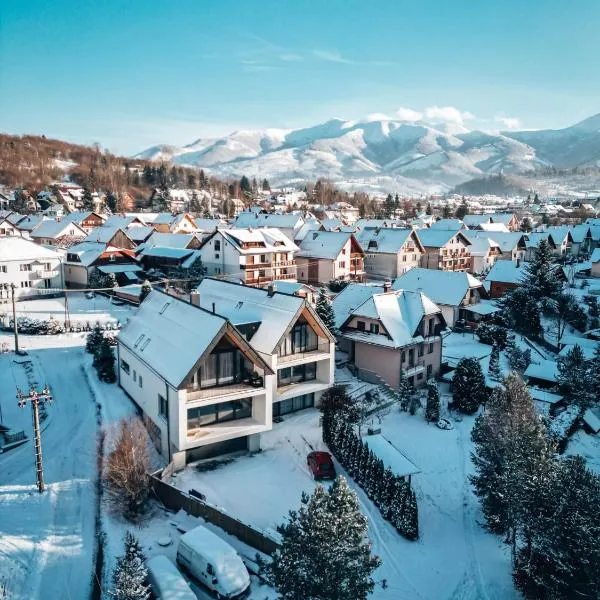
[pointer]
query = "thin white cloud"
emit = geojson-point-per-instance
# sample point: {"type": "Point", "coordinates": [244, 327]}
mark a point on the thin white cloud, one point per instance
{"type": "Point", "coordinates": [408, 114]}
{"type": "Point", "coordinates": [331, 56]}
{"type": "Point", "coordinates": [447, 114]}
{"type": "Point", "coordinates": [510, 123]}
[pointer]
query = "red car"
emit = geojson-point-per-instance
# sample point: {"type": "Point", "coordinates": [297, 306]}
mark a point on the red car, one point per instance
{"type": "Point", "coordinates": [321, 465]}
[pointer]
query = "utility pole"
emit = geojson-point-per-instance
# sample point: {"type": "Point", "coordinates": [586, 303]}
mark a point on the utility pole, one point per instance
{"type": "Point", "coordinates": [15, 325]}
{"type": "Point", "coordinates": [67, 317]}
{"type": "Point", "coordinates": [35, 397]}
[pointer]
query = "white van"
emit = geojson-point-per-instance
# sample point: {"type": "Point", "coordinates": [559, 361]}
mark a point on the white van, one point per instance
{"type": "Point", "coordinates": [213, 562]}
{"type": "Point", "coordinates": [166, 581]}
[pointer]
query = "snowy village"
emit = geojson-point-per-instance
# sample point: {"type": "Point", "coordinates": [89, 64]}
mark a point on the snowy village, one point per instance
{"type": "Point", "coordinates": [357, 360]}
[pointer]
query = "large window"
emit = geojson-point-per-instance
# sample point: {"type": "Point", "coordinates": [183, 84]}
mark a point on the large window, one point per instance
{"type": "Point", "coordinates": [293, 404]}
{"type": "Point", "coordinates": [163, 406]}
{"type": "Point", "coordinates": [224, 367]}
{"type": "Point", "coordinates": [301, 338]}
{"type": "Point", "coordinates": [296, 374]}
{"type": "Point", "coordinates": [219, 413]}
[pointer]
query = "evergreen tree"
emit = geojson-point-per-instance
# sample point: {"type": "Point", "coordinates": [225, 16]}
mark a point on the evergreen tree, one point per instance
{"type": "Point", "coordinates": [468, 386]}
{"type": "Point", "coordinates": [540, 274]}
{"type": "Point", "coordinates": [130, 573]}
{"type": "Point", "coordinates": [388, 206]}
{"type": "Point", "coordinates": [429, 210]}
{"type": "Point", "coordinates": [446, 212]}
{"type": "Point", "coordinates": [94, 339]}
{"type": "Point", "coordinates": [595, 373]}
{"type": "Point", "coordinates": [494, 366]}
{"type": "Point", "coordinates": [405, 392]}
{"type": "Point", "coordinates": [265, 186]}
{"type": "Point", "coordinates": [575, 378]}
{"type": "Point", "coordinates": [111, 202]}
{"type": "Point", "coordinates": [432, 409]}
{"type": "Point", "coordinates": [245, 185]}
{"type": "Point", "coordinates": [560, 556]}
{"type": "Point", "coordinates": [462, 210]}
{"type": "Point", "coordinates": [521, 310]}
{"type": "Point", "coordinates": [87, 199]}
{"type": "Point", "coordinates": [536, 199]}
{"type": "Point", "coordinates": [105, 362]}
{"type": "Point", "coordinates": [325, 309]}
{"type": "Point", "coordinates": [512, 456]}
{"type": "Point", "coordinates": [325, 554]}
{"type": "Point", "coordinates": [146, 289]}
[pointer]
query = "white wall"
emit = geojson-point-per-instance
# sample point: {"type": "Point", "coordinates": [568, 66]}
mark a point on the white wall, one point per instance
{"type": "Point", "coordinates": [29, 283]}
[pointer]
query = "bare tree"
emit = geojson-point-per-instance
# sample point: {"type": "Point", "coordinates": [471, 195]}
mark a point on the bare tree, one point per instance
{"type": "Point", "coordinates": [127, 467]}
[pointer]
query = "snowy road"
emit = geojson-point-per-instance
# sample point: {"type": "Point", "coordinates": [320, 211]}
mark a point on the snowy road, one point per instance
{"type": "Point", "coordinates": [47, 541]}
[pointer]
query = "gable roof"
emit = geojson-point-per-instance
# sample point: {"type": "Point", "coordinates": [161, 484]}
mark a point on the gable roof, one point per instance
{"type": "Point", "coordinates": [501, 227]}
{"type": "Point", "coordinates": [442, 287]}
{"type": "Point", "coordinates": [350, 298]}
{"type": "Point", "coordinates": [507, 241]}
{"type": "Point", "coordinates": [400, 313]}
{"type": "Point", "coordinates": [448, 224]}
{"type": "Point", "coordinates": [28, 223]}
{"type": "Point", "coordinates": [105, 234]}
{"type": "Point", "coordinates": [595, 255]}
{"type": "Point", "coordinates": [78, 216]}
{"type": "Point", "coordinates": [386, 241]}
{"type": "Point", "coordinates": [251, 219]}
{"type": "Point", "coordinates": [18, 248]}
{"type": "Point", "coordinates": [169, 240]}
{"type": "Point", "coordinates": [324, 244]}
{"type": "Point", "coordinates": [474, 220]}
{"type": "Point", "coordinates": [54, 229]}
{"type": "Point", "coordinates": [273, 240]}
{"type": "Point", "coordinates": [171, 336]}
{"type": "Point", "coordinates": [505, 271]}
{"type": "Point", "coordinates": [480, 246]}
{"type": "Point", "coordinates": [436, 238]}
{"type": "Point", "coordinates": [242, 304]}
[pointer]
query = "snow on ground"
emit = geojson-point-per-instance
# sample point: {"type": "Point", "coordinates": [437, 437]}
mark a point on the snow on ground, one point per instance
{"type": "Point", "coordinates": [454, 558]}
{"type": "Point", "coordinates": [47, 541]}
{"type": "Point", "coordinates": [587, 446]}
{"type": "Point", "coordinates": [81, 309]}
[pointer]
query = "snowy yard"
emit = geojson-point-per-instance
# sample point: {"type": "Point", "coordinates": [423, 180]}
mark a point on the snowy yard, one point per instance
{"type": "Point", "coordinates": [454, 558]}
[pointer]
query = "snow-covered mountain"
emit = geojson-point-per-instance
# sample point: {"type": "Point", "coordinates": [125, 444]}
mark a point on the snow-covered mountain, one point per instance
{"type": "Point", "coordinates": [386, 154]}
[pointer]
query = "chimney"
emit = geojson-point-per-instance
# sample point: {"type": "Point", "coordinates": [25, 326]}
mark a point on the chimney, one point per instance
{"type": "Point", "coordinates": [214, 308]}
{"type": "Point", "coordinates": [387, 285]}
{"type": "Point", "coordinates": [195, 298]}
{"type": "Point", "coordinates": [271, 290]}
{"type": "Point", "coordinates": [518, 262]}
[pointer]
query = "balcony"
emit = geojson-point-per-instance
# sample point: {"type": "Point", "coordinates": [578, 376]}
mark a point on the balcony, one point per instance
{"type": "Point", "coordinates": [225, 391]}
{"type": "Point", "coordinates": [284, 263]}
{"type": "Point", "coordinates": [413, 368]}
{"type": "Point", "coordinates": [258, 280]}
{"type": "Point", "coordinates": [35, 275]}
{"type": "Point", "coordinates": [285, 276]}
{"type": "Point", "coordinates": [322, 348]}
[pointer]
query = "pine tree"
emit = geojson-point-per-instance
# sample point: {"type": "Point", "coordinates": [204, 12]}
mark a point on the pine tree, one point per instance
{"type": "Point", "coordinates": [560, 556]}
{"type": "Point", "coordinates": [595, 372]}
{"type": "Point", "coordinates": [521, 309]}
{"type": "Point", "coordinates": [105, 362]}
{"type": "Point", "coordinates": [94, 339]}
{"type": "Point", "coordinates": [87, 199]}
{"type": "Point", "coordinates": [468, 386]}
{"type": "Point", "coordinates": [432, 409]}
{"type": "Point", "coordinates": [540, 274]}
{"type": "Point", "coordinates": [146, 289]}
{"type": "Point", "coordinates": [325, 309]}
{"type": "Point", "coordinates": [245, 185]}
{"type": "Point", "coordinates": [324, 553]}
{"type": "Point", "coordinates": [512, 456]}
{"type": "Point", "coordinates": [494, 366]}
{"type": "Point", "coordinates": [405, 392]}
{"type": "Point", "coordinates": [429, 210]}
{"type": "Point", "coordinates": [575, 378]}
{"type": "Point", "coordinates": [265, 186]}
{"type": "Point", "coordinates": [130, 573]}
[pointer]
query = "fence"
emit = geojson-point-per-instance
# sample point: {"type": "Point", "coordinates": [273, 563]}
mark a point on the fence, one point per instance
{"type": "Point", "coordinates": [175, 499]}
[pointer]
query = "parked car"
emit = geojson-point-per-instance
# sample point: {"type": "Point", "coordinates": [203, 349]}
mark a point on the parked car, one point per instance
{"type": "Point", "coordinates": [166, 581]}
{"type": "Point", "coordinates": [321, 465]}
{"type": "Point", "coordinates": [213, 562]}
{"type": "Point", "coordinates": [90, 295]}
{"type": "Point", "coordinates": [445, 424]}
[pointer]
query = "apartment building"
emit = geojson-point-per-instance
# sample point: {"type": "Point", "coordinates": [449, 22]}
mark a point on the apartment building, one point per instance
{"type": "Point", "coordinates": [446, 250]}
{"type": "Point", "coordinates": [249, 256]}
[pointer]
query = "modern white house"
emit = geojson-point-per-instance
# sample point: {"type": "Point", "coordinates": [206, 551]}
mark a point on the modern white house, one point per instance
{"type": "Point", "coordinates": [33, 269]}
{"type": "Point", "coordinates": [286, 332]}
{"type": "Point", "coordinates": [250, 256]}
{"type": "Point", "coordinates": [201, 388]}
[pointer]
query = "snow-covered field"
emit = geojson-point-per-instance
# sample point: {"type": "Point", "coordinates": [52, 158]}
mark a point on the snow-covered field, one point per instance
{"type": "Point", "coordinates": [454, 557]}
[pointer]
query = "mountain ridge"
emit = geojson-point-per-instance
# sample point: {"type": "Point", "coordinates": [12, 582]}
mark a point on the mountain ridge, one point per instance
{"type": "Point", "coordinates": [385, 154]}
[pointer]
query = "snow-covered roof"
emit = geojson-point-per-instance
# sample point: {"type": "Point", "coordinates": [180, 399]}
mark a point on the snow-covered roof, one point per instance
{"type": "Point", "coordinates": [331, 224]}
{"type": "Point", "coordinates": [480, 246]}
{"type": "Point", "coordinates": [544, 396]}
{"type": "Point", "coordinates": [377, 223]}
{"type": "Point", "coordinates": [595, 255]}
{"type": "Point", "coordinates": [323, 244]}
{"type": "Point", "coordinates": [88, 252]}
{"type": "Point", "coordinates": [170, 335]}
{"type": "Point", "coordinates": [162, 252]}
{"type": "Point", "coordinates": [392, 458]}
{"type": "Point", "coordinates": [209, 225]}
{"type": "Point", "coordinates": [385, 241]}
{"type": "Point", "coordinates": [166, 576]}
{"type": "Point", "coordinates": [28, 223]}
{"type": "Point", "coordinates": [507, 241]}
{"type": "Point", "coordinates": [534, 238]}
{"type": "Point", "coordinates": [124, 221]}
{"type": "Point", "coordinates": [272, 239]}
{"type": "Point", "coordinates": [309, 226]}
{"type": "Point", "coordinates": [169, 240]}
{"type": "Point", "coordinates": [287, 221]}
{"type": "Point", "coordinates": [591, 418]}
{"type": "Point", "coordinates": [78, 216]}
{"type": "Point", "coordinates": [291, 287]}
{"type": "Point", "coordinates": [54, 229]}
{"type": "Point", "coordinates": [139, 233]}
{"type": "Point", "coordinates": [505, 218]}
{"type": "Point", "coordinates": [436, 238]}
{"type": "Point", "coordinates": [500, 227]}
{"type": "Point", "coordinates": [448, 224]}
{"type": "Point", "coordinates": [18, 248]}
{"type": "Point", "coordinates": [443, 287]}
{"type": "Point", "coordinates": [475, 220]}
{"type": "Point", "coordinates": [104, 234]}
{"type": "Point", "coordinates": [241, 304]}
{"type": "Point", "coordinates": [580, 232]}
{"type": "Point", "coordinates": [123, 268]}
{"type": "Point", "coordinates": [350, 298]}
{"type": "Point", "coordinates": [546, 370]}
{"type": "Point", "coordinates": [400, 313]}
{"type": "Point", "coordinates": [506, 271]}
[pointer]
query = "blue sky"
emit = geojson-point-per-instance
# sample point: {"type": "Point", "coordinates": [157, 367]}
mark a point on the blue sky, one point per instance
{"type": "Point", "coordinates": [132, 73]}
